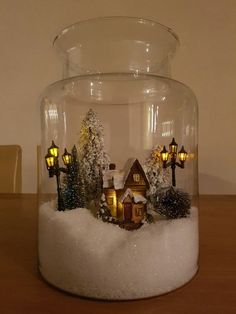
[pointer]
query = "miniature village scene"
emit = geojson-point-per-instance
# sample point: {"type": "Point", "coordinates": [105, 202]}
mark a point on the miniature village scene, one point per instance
{"type": "Point", "coordinates": [130, 197]}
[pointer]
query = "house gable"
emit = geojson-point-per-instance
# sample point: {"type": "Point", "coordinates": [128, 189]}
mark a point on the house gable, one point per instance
{"type": "Point", "coordinates": [132, 175]}
{"type": "Point", "coordinates": [126, 196]}
{"type": "Point", "coordinates": [136, 176]}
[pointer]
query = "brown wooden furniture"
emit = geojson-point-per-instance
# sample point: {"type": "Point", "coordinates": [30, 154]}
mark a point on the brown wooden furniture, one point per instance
{"type": "Point", "coordinates": [22, 290]}
{"type": "Point", "coordinates": [10, 168]}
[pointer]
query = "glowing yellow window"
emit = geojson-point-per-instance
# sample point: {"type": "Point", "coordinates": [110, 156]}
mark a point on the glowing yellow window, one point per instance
{"type": "Point", "coordinates": [136, 177]}
{"type": "Point", "coordinates": [110, 201]}
{"type": "Point", "coordinates": [139, 211]}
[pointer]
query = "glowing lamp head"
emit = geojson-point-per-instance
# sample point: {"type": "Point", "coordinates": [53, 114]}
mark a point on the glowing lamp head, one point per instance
{"type": "Point", "coordinates": [50, 161]}
{"type": "Point", "coordinates": [67, 158]}
{"type": "Point", "coordinates": [54, 149]}
{"type": "Point", "coordinates": [173, 146]}
{"type": "Point", "coordinates": [164, 154]}
{"type": "Point", "coordinates": [182, 154]}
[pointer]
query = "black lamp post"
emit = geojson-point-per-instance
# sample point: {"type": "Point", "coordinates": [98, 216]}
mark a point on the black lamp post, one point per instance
{"type": "Point", "coordinates": [53, 167]}
{"type": "Point", "coordinates": [172, 155]}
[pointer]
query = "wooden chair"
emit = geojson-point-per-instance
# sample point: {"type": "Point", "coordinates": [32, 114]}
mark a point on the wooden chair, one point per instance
{"type": "Point", "coordinates": [10, 168]}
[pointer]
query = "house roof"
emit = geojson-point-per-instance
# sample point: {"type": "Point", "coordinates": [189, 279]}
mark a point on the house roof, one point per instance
{"type": "Point", "coordinates": [132, 163]}
{"type": "Point", "coordinates": [117, 179]}
{"type": "Point", "coordinates": [137, 198]}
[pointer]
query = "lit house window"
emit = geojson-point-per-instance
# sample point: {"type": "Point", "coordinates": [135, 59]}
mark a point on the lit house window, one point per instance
{"type": "Point", "coordinates": [110, 201]}
{"type": "Point", "coordinates": [136, 177]}
{"type": "Point", "coordinates": [139, 211]}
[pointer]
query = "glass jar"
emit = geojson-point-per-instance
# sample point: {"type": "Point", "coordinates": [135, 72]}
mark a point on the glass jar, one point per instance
{"type": "Point", "coordinates": [118, 211]}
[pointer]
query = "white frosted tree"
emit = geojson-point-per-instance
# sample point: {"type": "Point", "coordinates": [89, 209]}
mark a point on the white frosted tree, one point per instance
{"type": "Point", "coordinates": [93, 158]}
{"type": "Point", "coordinates": [157, 176]}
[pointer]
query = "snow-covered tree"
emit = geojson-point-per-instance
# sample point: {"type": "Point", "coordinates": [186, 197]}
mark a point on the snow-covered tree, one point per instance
{"type": "Point", "coordinates": [73, 186]}
{"type": "Point", "coordinates": [104, 212]}
{"type": "Point", "coordinates": [93, 158]}
{"type": "Point", "coordinates": [157, 176]}
{"type": "Point", "coordinates": [174, 203]}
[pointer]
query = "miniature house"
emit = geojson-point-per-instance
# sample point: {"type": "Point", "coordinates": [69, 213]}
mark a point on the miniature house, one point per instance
{"type": "Point", "coordinates": [125, 192]}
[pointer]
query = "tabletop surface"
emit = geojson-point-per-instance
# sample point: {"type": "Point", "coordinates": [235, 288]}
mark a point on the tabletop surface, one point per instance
{"type": "Point", "coordinates": [22, 289]}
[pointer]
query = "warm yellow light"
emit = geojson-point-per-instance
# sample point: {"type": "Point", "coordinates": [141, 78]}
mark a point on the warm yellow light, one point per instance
{"type": "Point", "coordinates": [173, 146]}
{"type": "Point", "coordinates": [114, 201]}
{"type": "Point", "coordinates": [136, 177]}
{"type": "Point", "coordinates": [182, 154]}
{"type": "Point", "coordinates": [182, 157]}
{"type": "Point", "coordinates": [54, 149]}
{"type": "Point", "coordinates": [164, 154]}
{"type": "Point", "coordinates": [50, 160]}
{"type": "Point", "coordinates": [157, 152]}
{"type": "Point", "coordinates": [67, 158]}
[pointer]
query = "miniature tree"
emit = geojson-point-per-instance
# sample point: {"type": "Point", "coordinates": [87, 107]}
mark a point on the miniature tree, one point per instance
{"type": "Point", "coordinates": [92, 156]}
{"type": "Point", "coordinates": [157, 176]}
{"type": "Point", "coordinates": [73, 186]}
{"type": "Point", "coordinates": [174, 203]}
{"type": "Point", "coordinates": [104, 212]}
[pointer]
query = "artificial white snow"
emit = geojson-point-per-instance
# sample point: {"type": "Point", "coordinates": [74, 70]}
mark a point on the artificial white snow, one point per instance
{"type": "Point", "coordinates": [138, 198]}
{"type": "Point", "coordinates": [85, 256]}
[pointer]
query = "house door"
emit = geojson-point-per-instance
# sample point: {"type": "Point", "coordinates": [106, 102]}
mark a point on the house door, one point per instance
{"type": "Point", "coordinates": [127, 212]}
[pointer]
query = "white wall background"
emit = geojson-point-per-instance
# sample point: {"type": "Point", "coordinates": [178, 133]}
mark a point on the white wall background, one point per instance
{"type": "Point", "coordinates": [206, 61]}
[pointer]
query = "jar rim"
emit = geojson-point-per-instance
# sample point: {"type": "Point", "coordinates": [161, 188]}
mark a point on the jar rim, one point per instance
{"type": "Point", "coordinates": [139, 20]}
{"type": "Point", "coordinates": [116, 44]}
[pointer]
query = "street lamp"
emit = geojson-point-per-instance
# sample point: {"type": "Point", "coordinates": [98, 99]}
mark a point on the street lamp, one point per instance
{"type": "Point", "coordinates": [172, 155]}
{"type": "Point", "coordinates": [67, 158]}
{"type": "Point", "coordinates": [53, 167]}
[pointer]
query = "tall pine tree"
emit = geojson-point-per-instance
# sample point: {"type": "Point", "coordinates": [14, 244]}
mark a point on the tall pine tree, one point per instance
{"type": "Point", "coordinates": [93, 158]}
{"type": "Point", "coordinates": [73, 185]}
